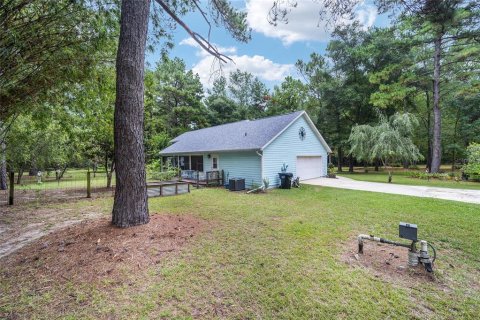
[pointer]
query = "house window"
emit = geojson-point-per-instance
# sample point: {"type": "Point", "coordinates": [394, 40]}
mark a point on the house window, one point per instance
{"type": "Point", "coordinates": [197, 163]}
{"type": "Point", "coordinates": [214, 163]}
{"type": "Point", "coordinates": [184, 162]}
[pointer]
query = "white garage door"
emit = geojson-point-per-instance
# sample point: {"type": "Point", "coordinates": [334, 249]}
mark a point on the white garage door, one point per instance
{"type": "Point", "coordinates": [309, 167]}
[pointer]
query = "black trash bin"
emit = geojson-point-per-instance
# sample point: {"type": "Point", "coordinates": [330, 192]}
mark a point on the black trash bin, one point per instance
{"type": "Point", "coordinates": [285, 180]}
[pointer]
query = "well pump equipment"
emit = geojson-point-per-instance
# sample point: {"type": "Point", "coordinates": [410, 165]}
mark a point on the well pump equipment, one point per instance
{"type": "Point", "coordinates": [406, 231]}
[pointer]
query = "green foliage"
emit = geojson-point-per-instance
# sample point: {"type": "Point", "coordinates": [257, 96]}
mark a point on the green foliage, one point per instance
{"type": "Point", "coordinates": [472, 168]}
{"type": "Point", "coordinates": [156, 172]}
{"type": "Point", "coordinates": [34, 144]}
{"type": "Point", "coordinates": [290, 96]}
{"type": "Point", "coordinates": [362, 142]}
{"type": "Point", "coordinates": [339, 91]}
{"type": "Point", "coordinates": [72, 90]}
{"type": "Point", "coordinates": [436, 175]}
{"type": "Point", "coordinates": [331, 171]}
{"type": "Point", "coordinates": [249, 94]}
{"type": "Point", "coordinates": [266, 183]}
{"type": "Point", "coordinates": [221, 108]}
{"type": "Point", "coordinates": [46, 46]}
{"type": "Point", "coordinates": [389, 140]}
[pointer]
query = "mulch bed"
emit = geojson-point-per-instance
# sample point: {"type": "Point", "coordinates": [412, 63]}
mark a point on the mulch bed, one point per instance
{"type": "Point", "coordinates": [94, 250]}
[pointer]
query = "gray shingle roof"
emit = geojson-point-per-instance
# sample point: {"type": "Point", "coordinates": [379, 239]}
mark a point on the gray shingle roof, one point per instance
{"type": "Point", "coordinates": [236, 136]}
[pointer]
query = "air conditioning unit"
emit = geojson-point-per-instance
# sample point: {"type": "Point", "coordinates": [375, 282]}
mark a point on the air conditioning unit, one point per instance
{"type": "Point", "coordinates": [236, 184]}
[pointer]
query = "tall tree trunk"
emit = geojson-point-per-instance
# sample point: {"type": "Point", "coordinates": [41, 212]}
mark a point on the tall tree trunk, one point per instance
{"type": "Point", "coordinates": [429, 134]}
{"type": "Point", "coordinates": [130, 206]}
{"type": "Point", "coordinates": [33, 169]}
{"type": "Point", "coordinates": [60, 176]}
{"type": "Point", "coordinates": [437, 114]}
{"type": "Point", "coordinates": [455, 131]}
{"type": "Point", "coordinates": [20, 175]}
{"type": "Point", "coordinates": [350, 163]}
{"type": "Point", "coordinates": [376, 164]}
{"type": "Point", "coordinates": [3, 168]}
{"type": "Point", "coordinates": [340, 159]}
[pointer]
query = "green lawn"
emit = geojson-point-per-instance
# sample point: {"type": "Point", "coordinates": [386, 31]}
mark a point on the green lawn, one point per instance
{"type": "Point", "coordinates": [401, 177]}
{"type": "Point", "coordinates": [278, 256]}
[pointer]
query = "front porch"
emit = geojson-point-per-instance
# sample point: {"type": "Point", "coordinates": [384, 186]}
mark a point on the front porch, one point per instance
{"type": "Point", "coordinates": [208, 179]}
{"type": "Point", "coordinates": [197, 169]}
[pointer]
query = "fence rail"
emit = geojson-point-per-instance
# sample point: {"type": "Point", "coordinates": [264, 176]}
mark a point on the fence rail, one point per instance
{"type": "Point", "coordinates": [46, 187]}
{"type": "Point", "coordinates": [74, 185]}
{"type": "Point", "coordinates": [167, 188]}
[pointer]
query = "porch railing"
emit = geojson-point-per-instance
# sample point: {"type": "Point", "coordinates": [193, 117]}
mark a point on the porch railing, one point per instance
{"type": "Point", "coordinates": [209, 178]}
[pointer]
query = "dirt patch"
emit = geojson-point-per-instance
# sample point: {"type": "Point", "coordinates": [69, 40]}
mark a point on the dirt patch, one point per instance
{"type": "Point", "coordinates": [93, 250]}
{"type": "Point", "coordinates": [20, 225]}
{"type": "Point", "coordinates": [387, 262]}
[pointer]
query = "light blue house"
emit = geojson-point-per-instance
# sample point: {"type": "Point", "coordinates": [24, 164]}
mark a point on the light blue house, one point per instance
{"type": "Point", "coordinates": [254, 149]}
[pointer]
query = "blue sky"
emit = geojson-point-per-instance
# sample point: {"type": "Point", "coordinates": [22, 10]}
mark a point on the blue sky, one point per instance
{"type": "Point", "coordinates": [273, 51]}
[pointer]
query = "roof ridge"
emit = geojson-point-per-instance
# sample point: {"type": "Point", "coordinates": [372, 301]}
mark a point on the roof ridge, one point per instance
{"type": "Point", "coordinates": [244, 120]}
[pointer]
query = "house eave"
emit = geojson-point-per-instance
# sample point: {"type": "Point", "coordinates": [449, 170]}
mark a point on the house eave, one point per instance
{"type": "Point", "coordinates": [206, 151]}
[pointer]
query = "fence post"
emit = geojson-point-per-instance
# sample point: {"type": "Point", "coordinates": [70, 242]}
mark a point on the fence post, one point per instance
{"type": "Point", "coordinates": [12, 188]}
{"type": "Point", "coordinates": [89, 191]}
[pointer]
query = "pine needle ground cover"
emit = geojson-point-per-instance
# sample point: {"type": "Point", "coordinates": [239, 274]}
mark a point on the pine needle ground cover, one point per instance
{"type": "Point", "coordinates": [286, 254]}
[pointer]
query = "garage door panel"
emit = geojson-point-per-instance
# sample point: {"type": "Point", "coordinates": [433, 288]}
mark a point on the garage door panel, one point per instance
{"type": "Point", "coordinates": [309, 167]}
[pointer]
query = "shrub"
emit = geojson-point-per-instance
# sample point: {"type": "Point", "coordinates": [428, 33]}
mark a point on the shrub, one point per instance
{"type": "Point", "coordinates": [266, 183]}
{"type": "Point", "coordinates": [427, 176]}
{"type": "Point", "coordinates": [457, 166]}
{"type": "Point", "coordinates": [254, 186]}
{"type": "Point", "coordinates": [472, 168]}
{"type": "Point", "coordinates": [332, 170]}
{"type": "Point", "coordinates": [169, 173]}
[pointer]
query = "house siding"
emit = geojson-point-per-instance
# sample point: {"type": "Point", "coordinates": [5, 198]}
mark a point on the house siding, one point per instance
{"type": "Point", "coordinates": [287, 146]}
{"type": "Point", "coordinates": [241, 165]}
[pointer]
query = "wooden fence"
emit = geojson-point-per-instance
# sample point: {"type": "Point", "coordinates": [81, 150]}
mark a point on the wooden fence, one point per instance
{"type": "Point", "coordinates": [162, 189]}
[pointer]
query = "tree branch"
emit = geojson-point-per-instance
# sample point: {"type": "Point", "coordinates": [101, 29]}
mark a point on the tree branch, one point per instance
{"type": "Point", "coordinates": [205, 44]}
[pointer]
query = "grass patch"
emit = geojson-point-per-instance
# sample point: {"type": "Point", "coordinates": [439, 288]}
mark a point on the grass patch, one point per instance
{"type": "Point", "coordinates": [402, 177]}
{"type": "Point", "coordinates": [277, 256]}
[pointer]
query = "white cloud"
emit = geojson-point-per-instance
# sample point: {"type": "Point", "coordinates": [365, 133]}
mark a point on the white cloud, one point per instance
{"type": "Point", "coordinates": [304, 23]}
{"type": "Point", "coordinates": [265, 69]}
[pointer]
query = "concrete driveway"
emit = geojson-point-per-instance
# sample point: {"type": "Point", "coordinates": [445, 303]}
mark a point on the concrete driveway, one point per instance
{"type": "Point", "coordinates": [463, 195]}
